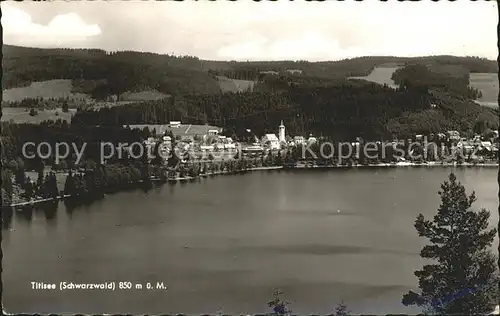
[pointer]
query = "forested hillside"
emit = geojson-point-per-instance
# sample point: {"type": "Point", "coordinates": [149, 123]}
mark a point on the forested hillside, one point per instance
{"type": "Point", "coordinates": [434, 94]}
{"type": "Point", "coordinates": [451, 78]}
{"type": "Point", "coordinates": [120, 72]}
{"type": "Point", "coordinates": [117, 72]}
{"type": "Point", "coordinates": [341, 111]}
{"type": "Point", "coordinates": [354, 67]}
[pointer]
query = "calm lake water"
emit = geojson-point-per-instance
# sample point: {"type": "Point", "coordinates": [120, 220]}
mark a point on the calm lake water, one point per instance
{"type": "Point", "coordinates": [224, 243]}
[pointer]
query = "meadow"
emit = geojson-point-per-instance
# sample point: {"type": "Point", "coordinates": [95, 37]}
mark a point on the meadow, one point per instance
{"type": "Point", "coordinates": [488, 84]}
{"type": "Point", "coordinates": [148, 95]}
{"type": "Point", "coordinates": [55, 89]}
{"type": "Point", "coordinates": [64, 88]}
{"type": "Point", "coordinates": [381, 75]}
{"type": "Point", "coordinates": [234, 85]}
{"type": "Point", "coordinates": [22, 115]}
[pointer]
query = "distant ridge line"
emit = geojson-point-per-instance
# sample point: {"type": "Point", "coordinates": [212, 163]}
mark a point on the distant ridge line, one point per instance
{"type": "Point", "coordinates": [245, 60]}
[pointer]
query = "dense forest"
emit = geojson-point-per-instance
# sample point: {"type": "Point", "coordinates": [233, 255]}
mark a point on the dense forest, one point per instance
{"type": "Point", "coordinates": [453, 79]}
{"type": "Point", "coordinates": [14, 136]}
{"type": "Point", "coordinates": [343, 111]}
{"type": "Point", "coordinates": [118, 72]}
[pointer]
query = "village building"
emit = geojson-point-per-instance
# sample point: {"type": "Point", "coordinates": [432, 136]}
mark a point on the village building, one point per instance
{"type": "Point", "coordinates": [467, 147]}
{"type": "Point", "coordinates": [187, 139]}
{"type": "Point", "coordinates": [269, 72]}
{"type": "Point", "coordinates": [294, 71]}
{"type": "Point", "coordinates": [175, 124]}
{"type": "Point", "coordinates": [312, 140]}
{"type": "Point", "coordinates": [253, 150]}
{"type": "Point", "coordinates": [271, 141]}
{"type": "Point", "coordinates": [441, 136]}
{"type": "Point", "coordinates": [453, 135]}
{"type": "Point", "coordinates": [206, 147]}
{"type": "Point", "coordinates": [299, 140]}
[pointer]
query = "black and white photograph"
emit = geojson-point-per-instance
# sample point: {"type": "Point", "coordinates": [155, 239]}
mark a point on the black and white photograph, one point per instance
{"type": "Point", "coordinates": [250, 157]}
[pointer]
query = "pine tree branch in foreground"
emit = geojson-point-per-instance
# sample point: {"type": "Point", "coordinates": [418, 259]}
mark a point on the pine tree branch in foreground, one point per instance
{"type": "Point", "coordinates": [463, 278]}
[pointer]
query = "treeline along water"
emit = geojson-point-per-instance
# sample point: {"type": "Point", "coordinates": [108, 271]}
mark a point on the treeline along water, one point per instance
{"type": "Point", "coordinates": [224, 243]}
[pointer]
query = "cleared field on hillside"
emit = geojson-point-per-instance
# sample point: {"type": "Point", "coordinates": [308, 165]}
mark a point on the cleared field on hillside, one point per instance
{"type": "Point", "coordinates": [60, 88]}
{"type": "Point", "coordinates": [60, 177]}
{"type": "Point", "coordinates": [381, 75]}
{"type": "Point", "coordinates": [488, 84]}
{"type": "Point", "coordinates": [234, 85]}
{"type": "Point", "coordinates": [63, 88]}
{"type": "Point", "coordinates": [21, 115]}
{"type": "Point", "coordinates": [150, 95]}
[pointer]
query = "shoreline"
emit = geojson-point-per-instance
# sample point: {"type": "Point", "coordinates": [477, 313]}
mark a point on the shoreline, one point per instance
{"type": "Point", "coordinates": [401, 165]}
{"type": "Point", "coordinates": [301, 167]}
{"type": "Point", "coordinates": [33, 202]}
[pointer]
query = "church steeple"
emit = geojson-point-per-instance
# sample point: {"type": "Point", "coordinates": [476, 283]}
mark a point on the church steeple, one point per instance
{"type": "Point", "coordinates": [282, 132]}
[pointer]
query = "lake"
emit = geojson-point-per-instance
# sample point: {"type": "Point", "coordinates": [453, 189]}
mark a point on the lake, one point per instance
{"type": "Point", "coordinates": [224, 243]}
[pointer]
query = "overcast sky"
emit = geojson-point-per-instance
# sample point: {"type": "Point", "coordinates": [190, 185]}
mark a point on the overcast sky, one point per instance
{"type": "Point", "coordinates": [247, 30]}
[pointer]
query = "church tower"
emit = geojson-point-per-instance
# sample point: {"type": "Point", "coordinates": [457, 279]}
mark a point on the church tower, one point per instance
{"type": "Point", "coordinates": [282, 132]}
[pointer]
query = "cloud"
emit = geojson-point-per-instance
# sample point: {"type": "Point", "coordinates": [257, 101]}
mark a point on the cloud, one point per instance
{"type": "Point", "coordinates": [243, 30]}
{"type": "Point", "coordinates": [308, 45]}
{"type": "Point", "coordinates": [63, 29]}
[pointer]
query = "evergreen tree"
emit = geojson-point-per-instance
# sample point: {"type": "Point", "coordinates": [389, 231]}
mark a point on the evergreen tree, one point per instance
{"type": "Point", "coordinates": [278, 161]}
{"type": "Point", "coordinates": [69, 185]}
{"type": "Point", "coordinates": [341, 310]}
{"type": "Point", "coordinates": [20, 172]}
{"type": "Point", "coordinates": [54, 191]}
{"type": "Point", "coordinates": [7, 188]}
{"type": "Point", "coordinates": [173, 159]}
{"type": "Point", "coordinates": [269, 160]}
{"type": "Point", "coordinates": [28, 189]}
{"type": "Point", "coordinates": [39, 180]}
{"type": "Point", "coordinates": [49, 188]}
{"type": "Point", "coordinates": [65, 107]}
{"type": "Point", "coordinates": [463, 279]}
{"type": "Point", "coordinates": [278, 305]}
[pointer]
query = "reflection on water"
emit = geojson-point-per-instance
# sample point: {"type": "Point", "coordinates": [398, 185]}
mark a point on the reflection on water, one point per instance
{"type": "Point", "coordinates": [25, 213]}
{"type": "Point", "coordinates": [70, 206]}
{"type": "Point", "coordinates": [7, 215]}
{"type": "Point", "coordinates": [50, 211]}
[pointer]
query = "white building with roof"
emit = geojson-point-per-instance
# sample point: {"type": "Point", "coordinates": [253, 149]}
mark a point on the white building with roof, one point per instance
{"type": "Point", "coordinates": [312, 140]}
{"type": "Point", "coordinates": [298, 140]}
{"type": "Point", "coordinates": [175, 124]}
{"type": "Point", "coordinates": [207, 147]}
{"type": "Point", "coordinates": [271, 141]}
{"type": "Point", "coordinates": [453, 135]}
